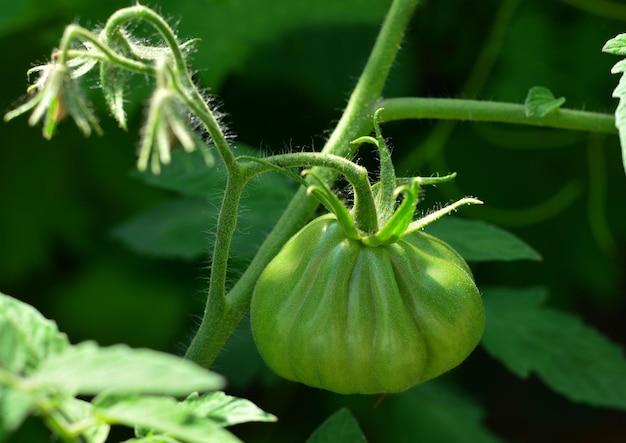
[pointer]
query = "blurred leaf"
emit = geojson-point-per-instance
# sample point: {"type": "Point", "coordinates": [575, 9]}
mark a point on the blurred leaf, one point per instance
{"type": "Point", "coordinates": [476, 240]}
{"type": "Point", "coordinates": [174, 229]}
{"type": "Point", "coordinates": [89, 369]}
{"type": "Point", "coordinates": [339, 427]}
{"type": "Point", "coordinates": [540, 102]}
{"type": "Point", "coordinates": [15, 406]}
{"type": "Point", "coordinates": [225, 410]}
{"type": "Point", "coordinates": [434, 413]}
{"type": "Point", "coordinates": [178, 229]}
{"type": "Point", "coordinates": [572, 358]}
{"type": "Point", "coordinates": [189, 174]}
{"type": "Point", "coordinates": [27, 337]}
{"type": "Point", "coordinates": [161, 414]}
{"type": "Point", "coordinates": [77, 410]}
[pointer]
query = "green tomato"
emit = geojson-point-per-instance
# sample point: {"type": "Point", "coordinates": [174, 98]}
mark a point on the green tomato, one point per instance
{"type": "Point", "coordinates": [333, 313]}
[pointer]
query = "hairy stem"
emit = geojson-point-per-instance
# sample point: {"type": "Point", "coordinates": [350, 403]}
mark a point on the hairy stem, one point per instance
{"type": "Point", "coordinates": [75, 32]}
{"type": "Point", "coordinates": [476, 110]}
{"type": "Point", "coordinates": [355, 120]}
{"type": "Point", "coordinates": [365, 215]}
{"type": "Point", "coordinates": [218, 320]}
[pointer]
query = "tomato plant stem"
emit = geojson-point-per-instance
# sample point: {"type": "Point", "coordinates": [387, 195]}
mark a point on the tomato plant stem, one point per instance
{"type": "Point", "coordinates": [355, 121]}
{"type": "Point", "coordinates": [407, 108]}
{"type": "Point", "coordinates": [217, 321]}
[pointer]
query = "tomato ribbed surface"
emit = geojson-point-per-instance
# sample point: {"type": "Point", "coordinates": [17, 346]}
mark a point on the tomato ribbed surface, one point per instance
{"type": "Point", "coordinates": [335, 314]}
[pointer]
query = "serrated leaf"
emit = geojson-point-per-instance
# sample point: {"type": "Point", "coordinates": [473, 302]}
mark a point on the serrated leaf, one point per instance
{"type": "Point", "coordinates": [162, 415]}
{"type": "Point", "coordinates": [27, 336]}
{"type": "Point", "coordinates": [620, 111]}
{"type": "Point", "coordinates": [225, 410]}
{"type": "Point", "coordinates": [89, 369]}
{"type": "Point", "coordinates": [476, 240]}
{"type": "Point", "coordinates": [540, 102]}
{"type": "Point", "coordinates": [616, 45]}
{"type": "Point", "coordinates": [339, 427]}
{"type": "Point", "coordinates": [434, 413]}
{"type": "Point", "coordinates": [572, 358]}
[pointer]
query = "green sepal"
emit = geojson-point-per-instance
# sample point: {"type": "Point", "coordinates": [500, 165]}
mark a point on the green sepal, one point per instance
{"type": "Point", "coordinates": [113, 82]}
{"type": "Point", "coordinates": [333, 204]}
{"type": "Point", "coordinates": [436, 215]}
{"type": "Point", "coordinates": [397, 225]}
{"type": "Point", "coordinates": [77, 107]}
{"type": "Point", "coordinates": [386, 200]}
{"type": "Point", "coordinates": [385, 195]}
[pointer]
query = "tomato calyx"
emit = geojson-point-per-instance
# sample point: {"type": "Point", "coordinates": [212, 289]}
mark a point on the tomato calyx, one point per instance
{"type": "Point", "coordinates": [392, 221]}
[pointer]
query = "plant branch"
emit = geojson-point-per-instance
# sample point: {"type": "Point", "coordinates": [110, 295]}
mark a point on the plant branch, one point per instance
{"type": "Point", "coordinates": [73, 32]}
{"type": "Point", "coordinates": [218, 320]}
{"type": "Point", "coordinates": [355, 121]}
{"type": "Point", "coordinates": [408, 108]}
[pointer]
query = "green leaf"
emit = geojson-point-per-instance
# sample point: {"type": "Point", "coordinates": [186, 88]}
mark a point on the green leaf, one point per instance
{"type": "Point", "coordinates": [189, 174]}
{"type": "Point", "coordinates": [77, 410]}
{"type": "Point", "coordinates": [339, 427]}
{"type": "Point", "coordinates": [26, 336]}
{"type": "Point", "coordinates": [620, 93]}
{"type": "Point", "coordinates": [15, 406]}
{"type": "Point", "coordinates": [174, 229]}
{"type": "Point", "coordinates": [616, 45]}
{"type": "Point", "coordinates": [162, 415]}
{"type": "Point", "coordinates": [89, 369]}
{"type": "Point", "coordinates": [540, 102]}
{"type": "Point", "coordinates": [178, 229]}
{"type": "Point", "coordinates": [434, 413]}
{"type": "Point", "coordinates": [476, 240]}
{"type": "Point", "coordinates": [572, 358]}
{"type": "Point", "coordinates": [225, 410]}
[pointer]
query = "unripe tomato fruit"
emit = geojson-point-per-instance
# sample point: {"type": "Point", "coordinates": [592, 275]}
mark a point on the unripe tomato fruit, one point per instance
{"type": "Point", "coordinates": [333, 313]}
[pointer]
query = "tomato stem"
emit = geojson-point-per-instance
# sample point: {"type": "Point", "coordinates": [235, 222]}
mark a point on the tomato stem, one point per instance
{"type": "Point", "coordinates": [355, 121]}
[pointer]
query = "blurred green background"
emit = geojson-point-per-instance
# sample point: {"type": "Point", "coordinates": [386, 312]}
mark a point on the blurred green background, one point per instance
{"type": "Point", "coordinates": [282, 70]}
